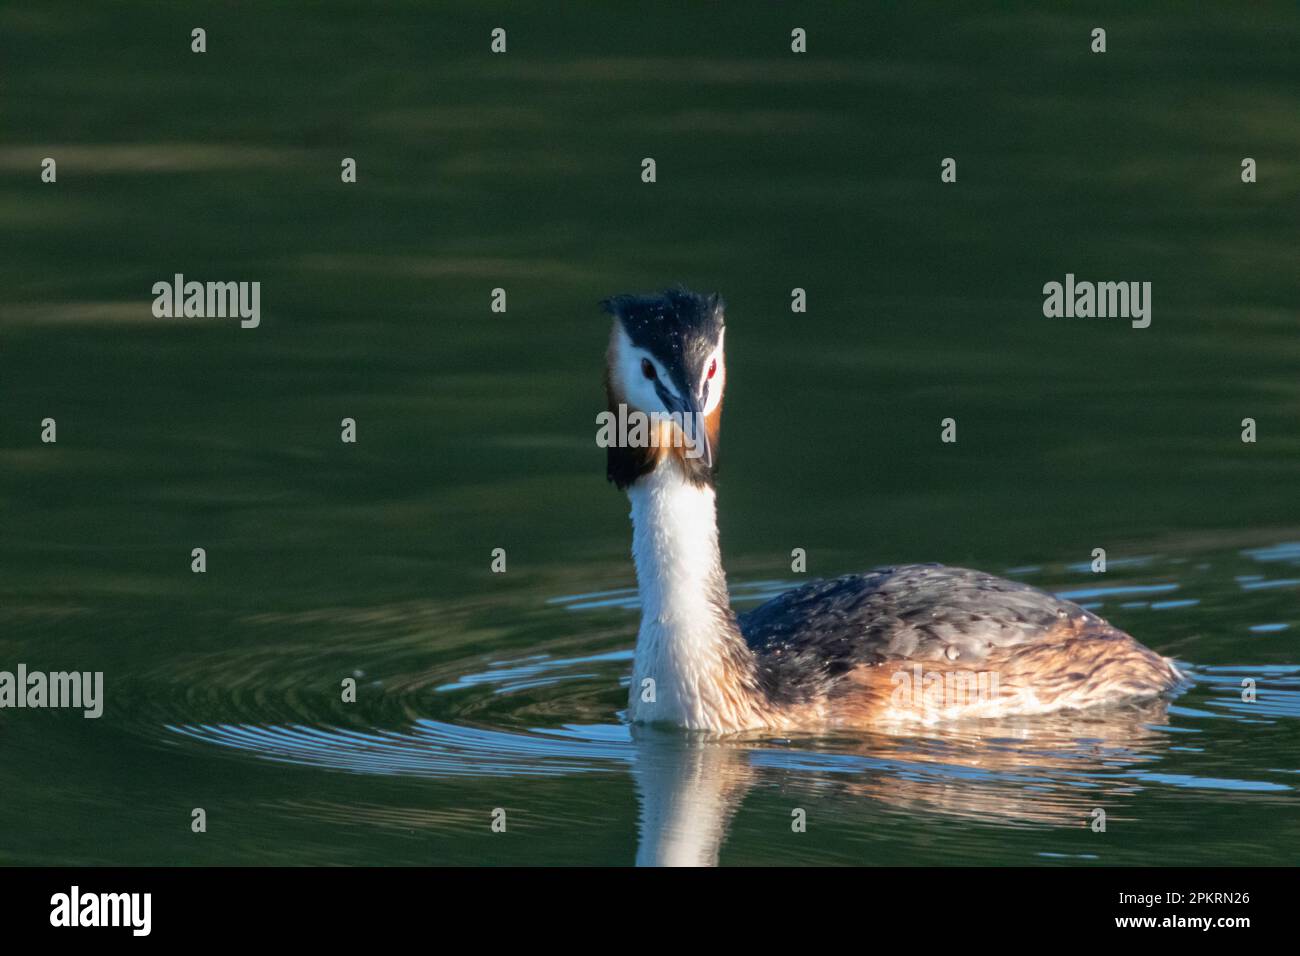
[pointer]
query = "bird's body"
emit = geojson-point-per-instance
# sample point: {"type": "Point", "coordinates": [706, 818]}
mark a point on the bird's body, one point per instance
{"type": "Point", "coordinates": [917, 642]}
{"type": "Point", "coordinates": [898, 643]}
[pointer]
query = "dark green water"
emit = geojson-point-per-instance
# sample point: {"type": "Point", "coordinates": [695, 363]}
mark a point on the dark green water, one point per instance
{"type": "Point", "coordinates": [476, 430]}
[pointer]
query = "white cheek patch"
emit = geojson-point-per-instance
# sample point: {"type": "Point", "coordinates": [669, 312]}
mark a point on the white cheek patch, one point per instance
{"type": "Point", "coordinates": [715, 383]}
{"type": "Point", "coordinates": [637, 389]}
{"type": "Point", "coordinates": [715, 394]}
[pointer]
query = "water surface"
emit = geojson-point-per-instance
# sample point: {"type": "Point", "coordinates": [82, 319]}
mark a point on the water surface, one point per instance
{"type": "Point", "coordinates": [476, 430]}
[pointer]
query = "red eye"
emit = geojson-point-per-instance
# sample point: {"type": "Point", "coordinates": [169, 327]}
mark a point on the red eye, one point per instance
{"type": "Point", "coordinates": [647, 368]}
{"type": "Point", "coordinates": [713, 369]}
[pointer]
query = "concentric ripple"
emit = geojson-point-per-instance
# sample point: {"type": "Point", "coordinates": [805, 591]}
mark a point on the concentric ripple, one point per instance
{"type": "Point", "coordinates": [554, 707]}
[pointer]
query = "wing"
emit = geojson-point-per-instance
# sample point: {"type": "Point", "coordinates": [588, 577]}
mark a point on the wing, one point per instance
{"type": "Point", "coordinates": [925, 612]}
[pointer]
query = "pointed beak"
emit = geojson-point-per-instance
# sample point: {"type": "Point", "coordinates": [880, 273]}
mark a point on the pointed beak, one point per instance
{"type": "Point", "coordinates": [691, 409]}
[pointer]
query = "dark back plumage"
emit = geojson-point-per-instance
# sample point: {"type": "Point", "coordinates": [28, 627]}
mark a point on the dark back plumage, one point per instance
{"type": "Point", "coordinates": [808, 637]}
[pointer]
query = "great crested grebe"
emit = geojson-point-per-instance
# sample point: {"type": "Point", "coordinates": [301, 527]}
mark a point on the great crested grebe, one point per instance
{"type": "Point", "coordinates": [915, 642]}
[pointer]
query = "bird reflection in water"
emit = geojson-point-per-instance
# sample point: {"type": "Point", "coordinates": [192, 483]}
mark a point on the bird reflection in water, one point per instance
{"type": "Point", "coordinates": [1047, 771]}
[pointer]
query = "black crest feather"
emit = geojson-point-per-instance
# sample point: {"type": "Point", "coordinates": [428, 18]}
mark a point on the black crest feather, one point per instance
{"type": "Point", "coordinates": [674, 319]}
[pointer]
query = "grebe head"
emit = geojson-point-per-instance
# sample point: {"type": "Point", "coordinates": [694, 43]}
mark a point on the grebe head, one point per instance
{"type": "Point", "coordinates": [665, 358]}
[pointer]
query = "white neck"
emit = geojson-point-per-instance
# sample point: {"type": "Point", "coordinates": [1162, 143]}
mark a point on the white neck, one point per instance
{"type": "Point", "coordinates": [689, 645]}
